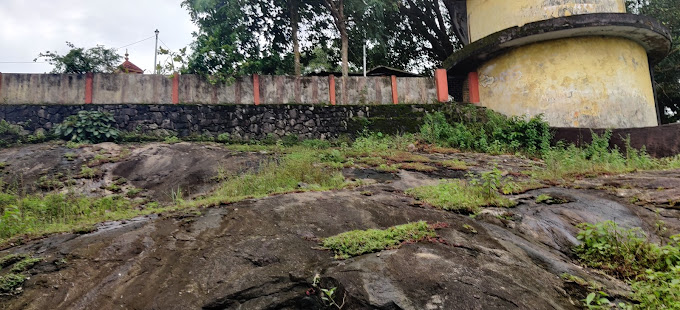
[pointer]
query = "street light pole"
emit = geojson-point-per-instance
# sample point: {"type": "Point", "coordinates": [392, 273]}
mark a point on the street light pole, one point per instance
{"type": "Point", "coordinates": [155, 53]}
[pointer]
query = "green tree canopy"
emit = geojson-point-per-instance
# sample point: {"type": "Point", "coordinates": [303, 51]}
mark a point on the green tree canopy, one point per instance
{"type": "Point", "coordinates": [79, 60]}
{"type": "Point", "coordinates": [667, 72]}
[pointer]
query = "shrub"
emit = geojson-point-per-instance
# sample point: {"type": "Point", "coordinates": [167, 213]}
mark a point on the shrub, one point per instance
{"type": "Point", "coordinates": [628, 254]}
{"type": "Point", "coordinates": [497, 135]}
{"type": "Point", "coordinates": [88, 127]}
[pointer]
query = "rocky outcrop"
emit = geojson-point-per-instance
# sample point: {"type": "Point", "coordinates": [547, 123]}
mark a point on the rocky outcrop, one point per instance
{"type": "Point", "coordinates": [261, 254]}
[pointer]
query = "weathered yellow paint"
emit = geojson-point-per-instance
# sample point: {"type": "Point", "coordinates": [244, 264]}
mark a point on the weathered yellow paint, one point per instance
{"type": "Point", "coordinates": [489, 16]}
{"type": "Point", "coordinates": [600, 82]}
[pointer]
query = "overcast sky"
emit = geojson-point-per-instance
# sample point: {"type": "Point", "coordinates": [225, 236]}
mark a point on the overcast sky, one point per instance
{"type": "Point", "coordinates": [30, 27]}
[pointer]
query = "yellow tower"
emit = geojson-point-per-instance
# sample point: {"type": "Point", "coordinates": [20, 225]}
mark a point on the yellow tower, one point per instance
{"type": "Point", "coordinates": [580, 63]}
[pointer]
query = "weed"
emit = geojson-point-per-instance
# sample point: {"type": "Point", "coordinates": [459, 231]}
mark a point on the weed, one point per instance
{"type": "Point", "coordinates": [88, 173]}
{"type": "Point", "coordinates": [400, 157]}
{"type": "Point", "coordinates": [327, 294]}
{"type": "Point", "coordinates": [88, 127]}
{"type": "Point", "coordinates": [275, 177]}
{"type": "Point", "coordinates": [70, 156]}
{"type": "Point", "coordinates": [26, 264]}
{"type": "Point", "coordinates": [387, 168]}
{"type": "Point", "coordinates": [172, 140]}
{"type": "Point", "coordinates": [358, 242]}
{"type": "Point", "coordinates": [10, 259]}
{"type": "Point", "coordinates": [513, 187]}
{"type": "Point", "coordinates": [455, 164]}
{"type": "Point", "coordinates": [625, 253]}
{"type": "Point", "coordinates": [223, 138]}
{"type": "Point", "coordinates": [597, 300]}
{"type": "Point", "coordinates": [499, 134]}
{"type": "Point", "coordinates": [659, 289]}
{"type": "Point", "coordinates": [470, 229]}
{"type": "Point", "coordinates": [73, 145]}
{"type": "Point", "coordinates": [49, 183]}
{"type": "Point", "coordinates": [490, 182]}
{"type": "Point", "coordinates": [316, 144]}
{"type": "Point", "coordinates": [10, 282]}
{"type": "Point", "coordinates": [459, 196]}
{"type": "Point", "coordinates": [372, 161]}
{"type": "Point", "coordinates": [417, 167]}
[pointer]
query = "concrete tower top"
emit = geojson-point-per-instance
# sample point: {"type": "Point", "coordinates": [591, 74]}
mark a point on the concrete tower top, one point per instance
{"type": "Point", "coordinates": [490, 16]}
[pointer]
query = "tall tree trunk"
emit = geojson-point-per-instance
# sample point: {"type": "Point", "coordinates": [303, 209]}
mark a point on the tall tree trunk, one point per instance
{"type": "Point", "coordinates": [345, 62]}
{"type": "Point", "coordinates": [294, 7]}
{"type": "Point", "coordinates": [337, 10]}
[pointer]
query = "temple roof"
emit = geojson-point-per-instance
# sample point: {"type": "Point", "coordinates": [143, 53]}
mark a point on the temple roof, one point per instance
{"type": "Point", "coordinates": [129, 67]}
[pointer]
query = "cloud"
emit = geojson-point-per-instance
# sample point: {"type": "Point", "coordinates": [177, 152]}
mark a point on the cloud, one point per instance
{"type": "Point", "coordinates": [30, 27]}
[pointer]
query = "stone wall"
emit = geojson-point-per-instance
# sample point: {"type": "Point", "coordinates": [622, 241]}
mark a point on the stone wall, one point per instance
{"type": "Point", "coordinates": [240, 121]}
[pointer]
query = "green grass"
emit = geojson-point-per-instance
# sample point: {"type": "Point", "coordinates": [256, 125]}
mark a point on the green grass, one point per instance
{"type": "Point", "coordinates": [10, 282]}
{"type": "Point", "coordinates": [566, 163]}
{"type": "Point", "coordinates": [10, 259]}
{"type": "Point", "coordinates": [455, 164]}
{"type": "Point", "coordinates": [276, 177]}
{"type": "Point", "coordinates": [653, 270]}
{"type": "Point", "coordinates": [26, 264]}
{"type": "Point", "coordinates": [358, 242]}
{"type": "Point", "coordinates": [459, 196]}
{"type": "Point", "coordinates": [36, 215]}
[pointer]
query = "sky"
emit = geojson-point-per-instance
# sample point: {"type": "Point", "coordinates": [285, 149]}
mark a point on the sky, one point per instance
{"type": "Point", "coordinates": [28, 28]}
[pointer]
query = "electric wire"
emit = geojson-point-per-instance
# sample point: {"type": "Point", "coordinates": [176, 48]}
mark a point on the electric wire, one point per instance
{"type": "Point", "coordinates": [140, 41]}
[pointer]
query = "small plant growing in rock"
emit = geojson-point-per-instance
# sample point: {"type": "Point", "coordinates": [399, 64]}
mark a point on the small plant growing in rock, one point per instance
{"type": "Point", "coordinates": [88, 127]}
{"type": "Point", "coordinates": [70, 156]}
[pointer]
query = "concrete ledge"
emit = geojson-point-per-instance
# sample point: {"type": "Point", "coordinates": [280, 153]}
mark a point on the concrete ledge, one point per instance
{"type": "Point", "coordinates": [646, 31]}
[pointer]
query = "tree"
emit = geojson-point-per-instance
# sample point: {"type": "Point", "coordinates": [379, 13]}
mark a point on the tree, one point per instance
{"type": "Point", "coordinates": [667, 72]}
{"type": "Point", "coordinates": [79, 60]}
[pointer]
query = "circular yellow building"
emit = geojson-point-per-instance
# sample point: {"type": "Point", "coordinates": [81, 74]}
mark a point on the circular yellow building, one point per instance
{"type": "Point", "coordinates": [580, 63]}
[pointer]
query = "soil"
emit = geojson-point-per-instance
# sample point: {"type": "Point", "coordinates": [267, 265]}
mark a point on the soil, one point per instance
{"type": "Point", "coordinates": [264, 253]}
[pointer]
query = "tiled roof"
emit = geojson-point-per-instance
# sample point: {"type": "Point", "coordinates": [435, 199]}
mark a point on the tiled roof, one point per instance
{"type": "Point", "coordinates": [128, 67]}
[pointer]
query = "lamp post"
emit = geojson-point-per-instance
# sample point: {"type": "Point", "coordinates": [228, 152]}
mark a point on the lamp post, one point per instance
{"type": "Point", "coordinates": [155, 54]}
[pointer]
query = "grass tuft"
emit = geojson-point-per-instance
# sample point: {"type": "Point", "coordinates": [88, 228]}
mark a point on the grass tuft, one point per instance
{"type": "Point", "coordinates": [459, 196]}
{"type": "Point", "coordinates": [358, 242]}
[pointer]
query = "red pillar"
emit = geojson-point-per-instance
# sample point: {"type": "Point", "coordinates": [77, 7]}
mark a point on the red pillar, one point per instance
{"type": "Point", "coordinates": [175, 88]}
{"type": "Point", "coordinates": [442, 83]}
{"type": "Point", "coordinates": [256, 89]}
{"type": "Point", "coordinates": [331, 88]}
{"type": "Point", "coordinates": [89, 77]}
{"type": "Point", "coordinates": [395, 93]}
{"type": "Point", "coordinates": [473, 82]}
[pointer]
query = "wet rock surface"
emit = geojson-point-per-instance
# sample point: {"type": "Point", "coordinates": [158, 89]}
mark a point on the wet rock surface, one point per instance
{"type": "Point", "coordinates": [263, 254]}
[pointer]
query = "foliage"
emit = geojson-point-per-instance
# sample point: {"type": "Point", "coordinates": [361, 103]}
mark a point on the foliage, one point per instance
{"type": "Point", "coordinates": [278, 176]}
{"type": "Point", "coordinates": [174, 61]}
{"type": "Point", "coordinates": [88, 127]}
{"type": "Point", "coordinates": [358, 242]}
{"type": "Point", "coordinates": [594, 159]}
{"type": "Point", "coordinates": [79, 60]}
{"type": "Point", "coordinates": [666, 72]}
{"type": "Point", "coordinates": [658, 290]}
{"type": "Point", "coordinates": [497, 135]}
{"type": "Point", "coordinates": [38, 214]}
{"type": "Point", "coordinates": [626, 253]}
{"type": "Point", "coordinates": [10, 259]}
{"type": "Point", "coordinates": [653, 270]}
{"type": "Point", "coordinates": [10, 282]}
{"type": "Point", "coordinates": [597, 300]}
{"type": "Point", "coordinates": [26, 264]}
{"type": "Point", "coordinates": [455, 164]}
{"type": "Point", "coordinates": [458, 196]}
